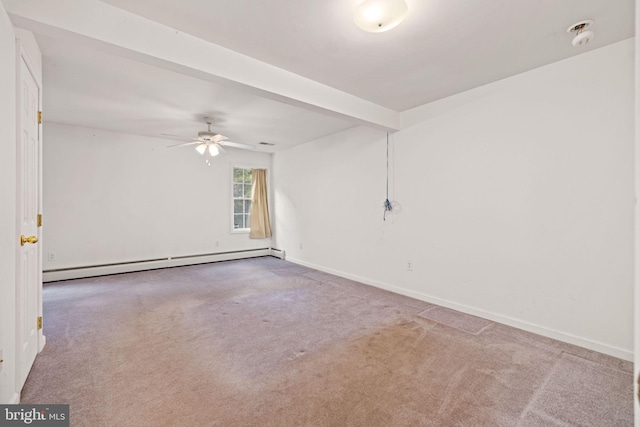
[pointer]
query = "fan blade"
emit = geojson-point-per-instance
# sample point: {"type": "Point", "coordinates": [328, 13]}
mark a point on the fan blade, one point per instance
{"type": "Point", "coordinates": [217, 138]}
{"type": "Point", "coordinates": [222, 150]}
{"type": "Point", "coordinates": [176, 137]}
{"type": "Point", "coordinates": [185, 144]}
{"type": "Point", "coordinates": [237, 145]}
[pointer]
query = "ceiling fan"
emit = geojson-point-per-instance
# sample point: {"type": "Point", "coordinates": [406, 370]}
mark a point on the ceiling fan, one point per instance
{"type": "Point", "coordinates": [209, 143]}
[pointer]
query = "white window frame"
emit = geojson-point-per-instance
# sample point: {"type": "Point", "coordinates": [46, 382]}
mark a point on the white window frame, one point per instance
{"type": "Point", "coordinates": [246, 166]}
{"type": "Point", "coordinates": [245, 230]}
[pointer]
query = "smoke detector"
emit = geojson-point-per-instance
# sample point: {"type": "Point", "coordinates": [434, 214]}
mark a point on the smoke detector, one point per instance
{"type": "Point", "coordinates": [583, 36]}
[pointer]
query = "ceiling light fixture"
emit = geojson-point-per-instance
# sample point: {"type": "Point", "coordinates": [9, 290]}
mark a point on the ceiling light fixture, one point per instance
{"type": "Point", "coordinates": [208, 150]}
{"type": "Point", "coordinates": [377, 16]}
{"type": "Point", "coordinates": [209, 143]}
{"type": "Point", "coordinates": [213, 150]}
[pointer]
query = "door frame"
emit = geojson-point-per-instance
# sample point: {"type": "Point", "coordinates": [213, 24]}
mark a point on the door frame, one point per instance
{"type": "Point", "coordinates": [636, 279]}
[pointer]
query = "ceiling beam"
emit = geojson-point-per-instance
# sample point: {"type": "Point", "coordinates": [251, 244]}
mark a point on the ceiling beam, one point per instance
{"type": "Point", "coordinates": [108, 28]}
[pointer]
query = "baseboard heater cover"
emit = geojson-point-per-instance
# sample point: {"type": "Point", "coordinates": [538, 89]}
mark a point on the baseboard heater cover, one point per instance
{"type": "Point", "coordinates": [55, 275]}
{"type": "Point", "coordinates": [278, 253]}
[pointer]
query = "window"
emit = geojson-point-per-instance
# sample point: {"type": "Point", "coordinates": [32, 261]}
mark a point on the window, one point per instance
{"type": "Point", "coordinates": [241, 198]}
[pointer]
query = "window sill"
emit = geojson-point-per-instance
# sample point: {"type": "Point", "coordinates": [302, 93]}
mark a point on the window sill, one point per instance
{"type": "Point", "coordinates": [240, 231]}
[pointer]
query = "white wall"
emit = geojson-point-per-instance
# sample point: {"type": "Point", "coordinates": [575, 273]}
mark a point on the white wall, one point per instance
{"type": "Point", "coordinates": [112, 197]}
{"type": "Point", "coordinates": [516, 201]}
{"type": "Point", "coordinates": [8, 230]}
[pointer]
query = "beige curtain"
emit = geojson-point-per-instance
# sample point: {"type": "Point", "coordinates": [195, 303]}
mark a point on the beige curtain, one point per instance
{"type": "Point", "coordinates": [260, 227]}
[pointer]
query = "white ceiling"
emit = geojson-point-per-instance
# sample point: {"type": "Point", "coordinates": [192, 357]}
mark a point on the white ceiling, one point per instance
{"type": "Point", "coordinates": [89, 88]}
{"type": "Point", "coordinates": [443, 47]}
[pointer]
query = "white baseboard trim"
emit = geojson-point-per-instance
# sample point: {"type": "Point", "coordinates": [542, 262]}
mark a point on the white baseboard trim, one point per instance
{"type": "Point", "coordinates": [132, 266]}
{"type": "Point", "coordinates": [495, 317]}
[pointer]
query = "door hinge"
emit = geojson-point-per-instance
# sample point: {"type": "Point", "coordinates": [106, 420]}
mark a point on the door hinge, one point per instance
{"type": "Point", "coordinates": [39, 117]}
{"type": "Point", "coordinates": [39, 220]}
{"type": "Point", "coordinates": [39, 322]}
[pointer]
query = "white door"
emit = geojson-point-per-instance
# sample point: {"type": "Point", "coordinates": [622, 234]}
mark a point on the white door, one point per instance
{"type": "Point", "coordinates": [27, 292]}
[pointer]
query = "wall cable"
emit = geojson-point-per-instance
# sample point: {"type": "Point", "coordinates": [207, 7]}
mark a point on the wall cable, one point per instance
{"type": "Point", "coordinates": [387, 203]}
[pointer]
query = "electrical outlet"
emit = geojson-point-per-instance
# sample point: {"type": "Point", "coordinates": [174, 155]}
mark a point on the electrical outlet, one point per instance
{"type": "Point", "coordinates": [300, 245]}
{"type": "Point", "coordinates": [51, 256]}
{"type": "Point", "coordinates": [217, 244]}
{"type": "Point", "coordinates": [409, 265]}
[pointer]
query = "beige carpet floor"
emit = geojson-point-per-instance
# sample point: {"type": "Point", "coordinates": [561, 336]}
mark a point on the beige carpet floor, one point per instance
{"type": "Point", "coordinates": [264, 342]}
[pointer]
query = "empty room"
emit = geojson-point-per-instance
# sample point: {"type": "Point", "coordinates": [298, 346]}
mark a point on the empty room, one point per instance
{"type": "Point", "coordinates": [318, 213]}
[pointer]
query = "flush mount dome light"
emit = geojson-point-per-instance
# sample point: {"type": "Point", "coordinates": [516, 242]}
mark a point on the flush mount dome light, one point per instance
{"type": "Point", "coordinates": [377, 16]}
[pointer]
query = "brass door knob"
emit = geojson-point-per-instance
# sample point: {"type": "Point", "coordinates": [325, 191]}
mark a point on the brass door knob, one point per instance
{"type": "Point", "coordinates": [30, 239]}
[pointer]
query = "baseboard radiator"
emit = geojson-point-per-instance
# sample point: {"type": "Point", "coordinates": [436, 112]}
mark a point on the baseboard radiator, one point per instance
{"type": "Point", "coordinates": [55, 275]}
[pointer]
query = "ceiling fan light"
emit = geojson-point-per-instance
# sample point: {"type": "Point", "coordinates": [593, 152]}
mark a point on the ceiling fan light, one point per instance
{"type": "Point", "coordinates": [201, 148]}
{"type": "Point", "coordinates": [213, 150]}
{"type": "Point", "coordinates": [376, 16]}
